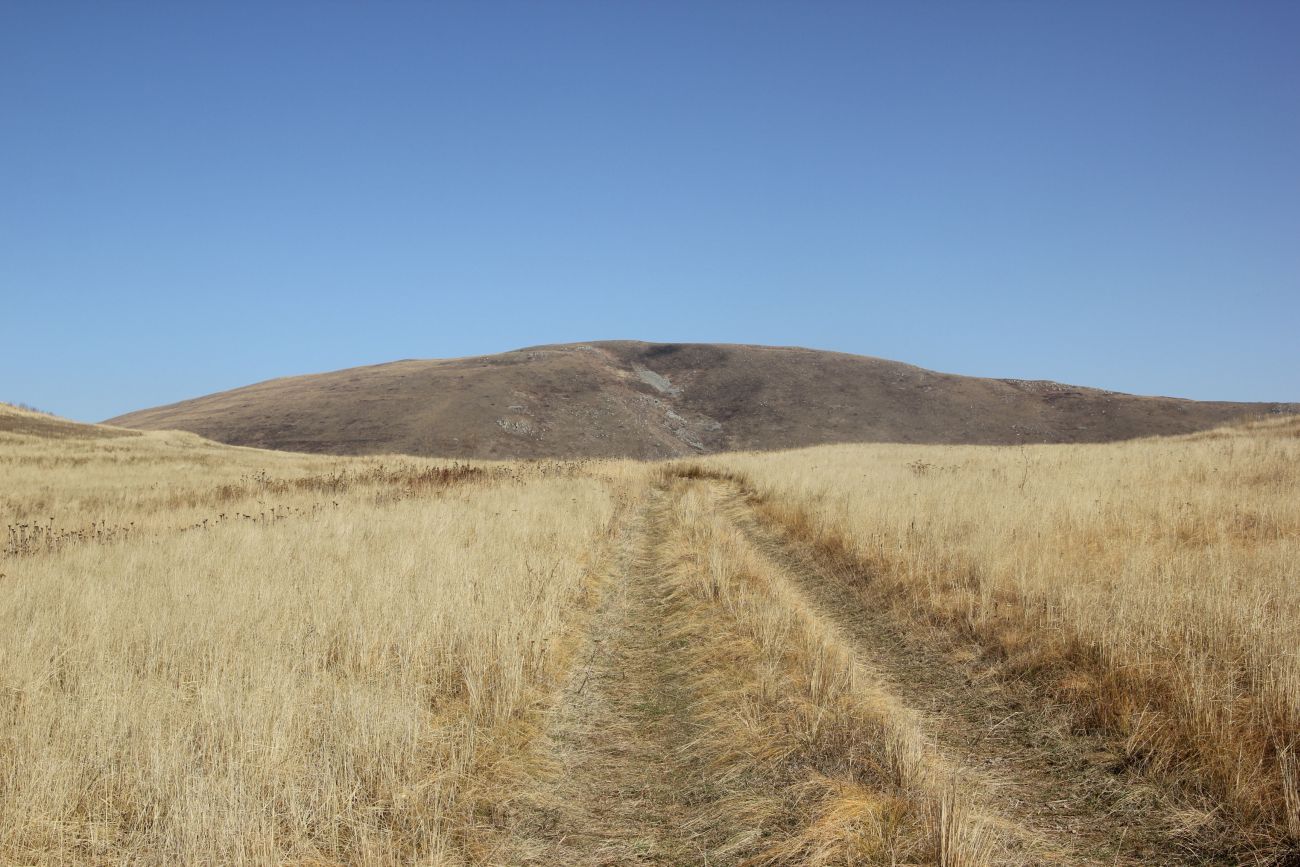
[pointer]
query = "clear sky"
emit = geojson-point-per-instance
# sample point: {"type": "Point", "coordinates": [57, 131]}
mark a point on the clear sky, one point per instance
{"type": "Point", "coordinates": [198, 196]}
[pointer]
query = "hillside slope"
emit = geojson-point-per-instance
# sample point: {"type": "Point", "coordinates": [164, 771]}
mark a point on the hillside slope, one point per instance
{"type": "Point", "coordinates": [18, 421]}
{"type": "Point", "coordinates": [646, 400]}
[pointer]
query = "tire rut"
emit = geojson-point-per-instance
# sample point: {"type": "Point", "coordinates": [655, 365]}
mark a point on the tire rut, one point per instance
{"type": "Point", "coordinates": [1062, 789]}
{"type": "Point", "coordinates": [618, 728]}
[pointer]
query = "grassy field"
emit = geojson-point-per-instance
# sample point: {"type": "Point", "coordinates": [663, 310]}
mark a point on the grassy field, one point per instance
{"type": "Point", "coordinates": [874, 654]}
{"type": "Point", "coordinates": [1149, 586]}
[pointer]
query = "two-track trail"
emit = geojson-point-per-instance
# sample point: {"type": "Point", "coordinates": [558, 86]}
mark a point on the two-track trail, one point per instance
{"type": "Point", "coordinates": [621, 720]}
{"type": "Point", "coordinates": [1064, 794]}
{"type": "Point", "coordinates": [690, 730]}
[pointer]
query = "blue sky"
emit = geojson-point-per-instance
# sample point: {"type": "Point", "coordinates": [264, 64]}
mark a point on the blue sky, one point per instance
{"type": "Point", "coordinates": [198, 196]}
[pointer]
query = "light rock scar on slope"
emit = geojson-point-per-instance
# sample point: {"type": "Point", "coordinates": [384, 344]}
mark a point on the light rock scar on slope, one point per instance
{"type": "Point", "coordinates": [583, 401]}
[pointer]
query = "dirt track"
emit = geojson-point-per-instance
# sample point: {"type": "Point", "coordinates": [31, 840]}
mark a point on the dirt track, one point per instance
{"type": "Point", "coordinates": [634, 785]}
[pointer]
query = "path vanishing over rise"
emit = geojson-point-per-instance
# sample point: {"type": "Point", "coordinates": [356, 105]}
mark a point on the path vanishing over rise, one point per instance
{"type": "Point", "coordinates": [903, 655]}
{"type": "Point", "coordinates": [655, 400]}
{"type": "Point", "coordinates": [737, 702]}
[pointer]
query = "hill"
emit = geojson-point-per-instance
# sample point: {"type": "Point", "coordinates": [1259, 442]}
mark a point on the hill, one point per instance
{"type": "Point", "coordinates": [648, 400]}
{"type": "Point", "coordinates": [22, 421]}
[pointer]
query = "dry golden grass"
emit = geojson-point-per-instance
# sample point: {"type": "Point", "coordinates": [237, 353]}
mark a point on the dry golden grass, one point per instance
{"type": "Point", "coordinates": [222, 655]}
{"type": "Point", "coordinates": [1150, 584]}
{"type": "Point", "coordinates": [845, 772]}
{"type": "Point", "coordinates": [330, 687]}
{"type": "Point", "coordinates": [715, 718]}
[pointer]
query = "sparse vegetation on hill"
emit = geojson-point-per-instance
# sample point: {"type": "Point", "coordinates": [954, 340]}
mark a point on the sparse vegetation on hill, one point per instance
{"type": "Point", "coordinates": [624, 399]}
{"type": "Point", "coordinates": [16, 418]}
{"type": "Point", "coordinates": [877, 654]}
{"type": "Point", "coordinates": [19, 405]}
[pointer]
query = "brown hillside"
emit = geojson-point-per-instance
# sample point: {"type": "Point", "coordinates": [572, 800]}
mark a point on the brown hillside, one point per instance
{"type": "Point", "coordinates": [25, 422]}
{"type": "Point", "coordinates": [647, 400]}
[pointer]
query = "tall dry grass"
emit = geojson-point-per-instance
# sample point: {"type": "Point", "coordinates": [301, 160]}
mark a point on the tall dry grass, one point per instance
{"type": "Point", "coordinates": [825, 766]}
{"type": "Point", "coordinates": [70, 477]}
{"type": "Point", "coordinates": [220, 655]}
{"type": "Point", "coordinates": [333, 686]}
{"type": "Point", "coordinates": [1151, 584]}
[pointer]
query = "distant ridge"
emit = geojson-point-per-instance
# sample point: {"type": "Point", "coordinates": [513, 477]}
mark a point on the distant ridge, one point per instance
{"type": "Point", "coordinates": [655, 400]}
{"type": "Point", "coordinates": [21, 420]}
